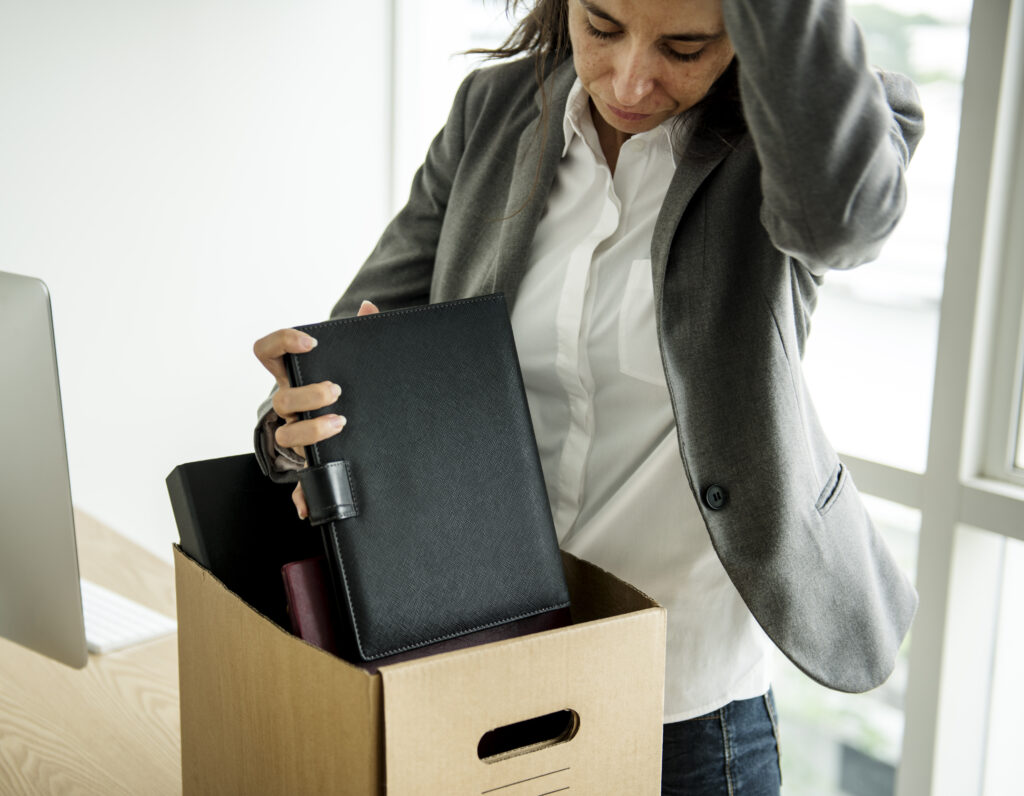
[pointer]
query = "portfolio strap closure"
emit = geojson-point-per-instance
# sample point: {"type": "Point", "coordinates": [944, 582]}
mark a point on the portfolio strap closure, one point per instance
{"type": "Point", "coordinates": [329, 493]}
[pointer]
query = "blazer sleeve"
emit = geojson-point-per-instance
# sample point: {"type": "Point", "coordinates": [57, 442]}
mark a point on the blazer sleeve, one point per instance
{"type": "Point", "coordinates": [833, 136]}
{"type": "Point", "coordinates": [399, 271]}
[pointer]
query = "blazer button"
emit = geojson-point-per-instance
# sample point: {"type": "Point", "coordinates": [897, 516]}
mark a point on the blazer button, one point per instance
{"type": "Point", "coordinates": [715, 497]}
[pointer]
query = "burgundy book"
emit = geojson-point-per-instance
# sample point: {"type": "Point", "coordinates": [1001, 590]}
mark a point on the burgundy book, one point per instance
{"type": "Point", "coordinates": [307, 587]}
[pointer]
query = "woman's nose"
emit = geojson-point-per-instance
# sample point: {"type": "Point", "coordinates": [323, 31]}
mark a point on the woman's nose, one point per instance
{"type": "Point", "coordinates": [634, 77]}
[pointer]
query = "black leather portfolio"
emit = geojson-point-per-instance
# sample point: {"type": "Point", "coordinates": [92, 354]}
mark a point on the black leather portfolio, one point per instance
{"type": "Point", "coordinates": [313, 613]}
{"type": "Point", "coordinates": [431, 501]}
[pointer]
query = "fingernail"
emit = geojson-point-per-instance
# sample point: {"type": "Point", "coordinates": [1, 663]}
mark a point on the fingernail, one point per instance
{"type": "Point", "coordinates": [365, 304]}
{"type": "Point", "coordinates": [301, 513]}
{"type": "Point", "coordinates": [335, 390]}
{"type": "Point", "coordinates": [309, 342]}
{"type": "Point", "coordinates": [338, 422]}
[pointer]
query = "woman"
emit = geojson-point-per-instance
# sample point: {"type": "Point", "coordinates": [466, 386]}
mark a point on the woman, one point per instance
{"type": "Point", "coordinates": [659, 191]}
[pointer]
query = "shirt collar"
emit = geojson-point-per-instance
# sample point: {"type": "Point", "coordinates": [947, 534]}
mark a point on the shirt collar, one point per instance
{"type": "Point", "coordinates": [577, 121]}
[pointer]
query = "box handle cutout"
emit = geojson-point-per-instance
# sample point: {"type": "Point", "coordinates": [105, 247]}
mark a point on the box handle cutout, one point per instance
{"type": "Point", "coordinates": [528, 736]}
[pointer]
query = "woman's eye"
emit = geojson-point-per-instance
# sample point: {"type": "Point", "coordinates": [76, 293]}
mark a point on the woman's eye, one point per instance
{"type": "Point", "coordinates": [597, 33]}
{"type": "Point", "coordinates": [685, 57]}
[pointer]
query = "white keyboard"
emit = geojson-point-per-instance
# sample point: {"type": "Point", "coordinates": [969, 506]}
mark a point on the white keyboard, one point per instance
{"type": "Point", "coordinates": [113, 622]}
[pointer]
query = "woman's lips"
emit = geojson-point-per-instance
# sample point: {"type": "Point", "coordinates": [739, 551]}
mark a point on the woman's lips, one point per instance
{"type": "Point", "coordinates": [626, 115]}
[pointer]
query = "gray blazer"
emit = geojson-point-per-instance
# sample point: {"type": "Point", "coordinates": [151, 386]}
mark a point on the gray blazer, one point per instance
{"type": "Point", "coordinates": [741, 243]}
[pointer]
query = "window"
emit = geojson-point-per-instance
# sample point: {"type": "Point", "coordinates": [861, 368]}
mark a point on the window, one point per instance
{"type": "Point", "coordinates": [430, 40]}
{"type": "Point", "coordinates": [871, 354]}
{"type": "Point", "coordinates": [835, 744]}
{"type": "Point", "coordinates": [1005, 441]}
{"type": "Point", "coordinates": [1006, 701]}
{"type": "Point", "coordinates": [1018, 460]}
{"type": "Point", "coordinates": [870, 365]}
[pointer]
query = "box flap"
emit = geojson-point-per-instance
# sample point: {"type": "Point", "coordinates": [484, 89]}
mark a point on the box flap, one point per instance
{"type": "Point", "coordinates": [261, 710]}
{"type": "Point", "coordinates": [596, 593]}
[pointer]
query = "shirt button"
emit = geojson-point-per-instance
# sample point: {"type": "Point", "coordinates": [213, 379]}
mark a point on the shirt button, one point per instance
{"type": "Point", "coordinates": [715, 497]}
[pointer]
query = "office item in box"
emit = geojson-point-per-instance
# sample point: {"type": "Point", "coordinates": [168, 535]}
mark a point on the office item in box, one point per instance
{"type": "Point", "coordinates": [264, 713]}
{"type": "Point", "coordinates": [310, 602]}
{"type": "Point", "coordinates": [314, 617]}
{"type": "Point", "coordinates": [240, 527]}
{"type": "Point", "coordinates": [432, 502]}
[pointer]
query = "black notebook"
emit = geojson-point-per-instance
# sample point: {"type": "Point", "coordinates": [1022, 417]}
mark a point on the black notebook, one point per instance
{"type": "Point", "coordinates": [431, 500]}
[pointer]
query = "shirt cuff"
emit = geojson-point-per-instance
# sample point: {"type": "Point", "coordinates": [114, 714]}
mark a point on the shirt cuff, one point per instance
{"type": "Point", "coordinates": [279, 464]}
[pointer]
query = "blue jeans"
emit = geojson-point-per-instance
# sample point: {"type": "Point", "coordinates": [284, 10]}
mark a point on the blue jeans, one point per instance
{"type": "Point", "coordinates": [731, 752]}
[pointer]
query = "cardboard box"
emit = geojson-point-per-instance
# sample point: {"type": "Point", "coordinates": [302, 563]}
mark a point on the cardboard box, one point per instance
{"type": "Point", "coordinates": [264, 712]}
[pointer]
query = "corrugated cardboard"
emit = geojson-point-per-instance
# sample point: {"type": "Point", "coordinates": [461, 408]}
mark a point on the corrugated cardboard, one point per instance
{"type": "Point", "coordinates": [262, 712]}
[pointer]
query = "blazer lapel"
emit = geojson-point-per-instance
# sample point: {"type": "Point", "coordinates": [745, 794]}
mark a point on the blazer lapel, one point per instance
{"type": "Point", "coordinates": [537, 156]}
{"type": "Point", "coordinates": [689, 175]}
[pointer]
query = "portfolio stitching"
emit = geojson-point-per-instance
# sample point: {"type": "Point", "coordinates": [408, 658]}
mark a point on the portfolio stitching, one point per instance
{"type": "Point", "coordinates": [338, 506]}
{"type": "Point", "coordinates": [344, 580]}
{"type": "Point", "coordinates": [391, 314]}
{"type": "Point", "coordinates": [458, 633]}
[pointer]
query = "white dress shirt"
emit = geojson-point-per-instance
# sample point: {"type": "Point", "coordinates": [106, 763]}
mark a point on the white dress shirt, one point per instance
{"type": "Point", "coordinates": [584, 326]}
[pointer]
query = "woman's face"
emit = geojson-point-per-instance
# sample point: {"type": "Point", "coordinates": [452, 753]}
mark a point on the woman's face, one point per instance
{"type": "Point", "coordinates": [645, 61]}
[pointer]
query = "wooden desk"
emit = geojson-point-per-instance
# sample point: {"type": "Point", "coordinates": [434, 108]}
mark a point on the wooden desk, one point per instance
{"type": "Point", "coordinates": [112, 727]}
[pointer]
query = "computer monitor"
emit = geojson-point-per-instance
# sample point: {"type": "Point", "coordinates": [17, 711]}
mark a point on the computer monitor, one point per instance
{"type": "Point", "coordinates": [41, 594]}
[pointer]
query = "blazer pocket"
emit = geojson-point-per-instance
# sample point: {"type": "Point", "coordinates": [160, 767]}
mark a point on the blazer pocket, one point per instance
{"type": "Point", "coordinates": [830, 494]}
{"type": "Point", "coordinates": [639, 352]}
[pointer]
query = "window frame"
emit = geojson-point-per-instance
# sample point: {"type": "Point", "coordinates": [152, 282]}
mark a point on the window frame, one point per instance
{"type": "Point", "coordinates": [968, 483]}
{"type": "Point", "coordinates": [1007, 376]}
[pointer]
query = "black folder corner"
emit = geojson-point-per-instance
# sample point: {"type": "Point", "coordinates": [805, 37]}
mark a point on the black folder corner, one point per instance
{"type": "Point", "coordinates": [241, 527]}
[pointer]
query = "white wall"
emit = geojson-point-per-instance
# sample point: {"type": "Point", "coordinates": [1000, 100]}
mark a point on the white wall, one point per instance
{"type": "Point", "coordinates": [186, 176]}
{"type": "Point", "coordinates": [430, 62]}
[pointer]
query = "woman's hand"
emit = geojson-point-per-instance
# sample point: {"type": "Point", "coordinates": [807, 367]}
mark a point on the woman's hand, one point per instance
{"type": "Point", "coordinates": [289, 401]}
